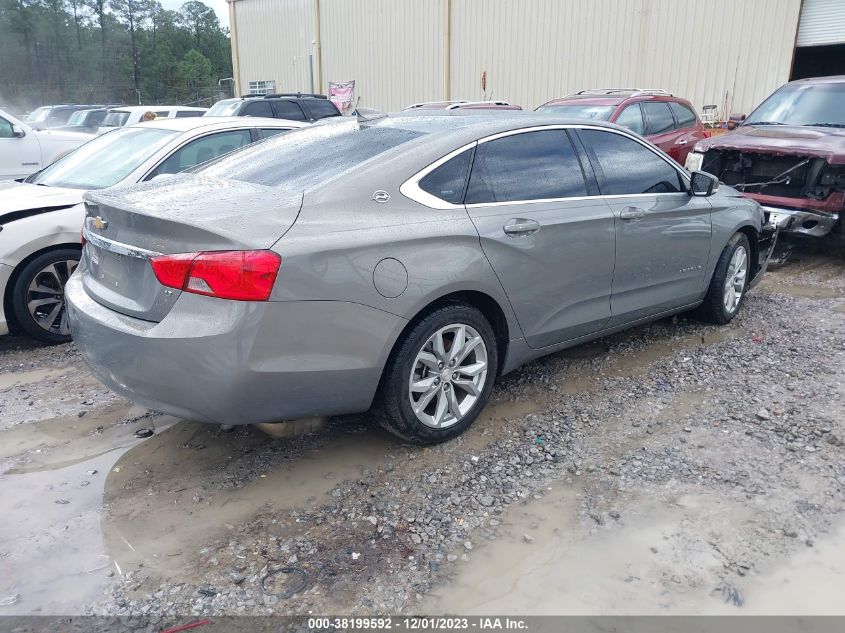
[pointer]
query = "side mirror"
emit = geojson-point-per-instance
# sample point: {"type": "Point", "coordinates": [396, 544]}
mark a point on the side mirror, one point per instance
{"type": "Point", "coordinates": [735, 119]}
{"type": "Point", "coordinates": [703, 184]}
{"type": "Point", "coordinates": [17, 131]}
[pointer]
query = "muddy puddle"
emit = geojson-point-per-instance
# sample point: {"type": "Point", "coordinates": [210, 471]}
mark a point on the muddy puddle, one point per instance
{"type": "Point", "coordinates": [648, 561]}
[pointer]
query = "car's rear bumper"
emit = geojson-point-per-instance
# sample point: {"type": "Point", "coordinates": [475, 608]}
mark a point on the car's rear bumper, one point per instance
{"type": "Point", "coordinates": [238, 362]}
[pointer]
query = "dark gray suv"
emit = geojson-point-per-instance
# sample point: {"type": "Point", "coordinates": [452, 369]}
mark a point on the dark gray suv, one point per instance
{"type": "Point", "coordinates": [294, 106]}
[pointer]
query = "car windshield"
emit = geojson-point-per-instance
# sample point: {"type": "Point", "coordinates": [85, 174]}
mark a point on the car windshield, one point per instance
{"type": "Point", "coordinates": [38, 115]}
{"type": "Point", "coordinates": [77, 118]}
{"type": "Point", "coordinates": [580, 110]}
{"type": "Point", "coordinates": [307, 157]}
{"type": "Point", "coordinates": [106, 160]}
{"type": "Point", "coordinates": [227, 107]}
{"type": "Point", "coordinates": [802, 104]}
{"type": "Point", "coordinates": [115, 119]}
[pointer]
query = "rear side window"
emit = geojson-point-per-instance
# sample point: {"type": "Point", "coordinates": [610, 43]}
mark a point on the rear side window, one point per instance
{"type": "Point", "coordinates": [182, 114]}
{"type": "Point", "coordinates": [683, 115]}
{"type": "Point", "coordinates": [267, 132]}
{"type": "Point", "coordinates": [447, 182]}
{"type": "Point", "coordinates": [162, 114]}
{"type": "Point", "coordinates": [259, 108]}
{"type": "Point", "coordinates": [632, 118]}
{"type": "Point", "coordinates": [321, 108]}
{"type": "Point", "coordinates": [658, 117]}
{"type": "Point", "coordinates": [202, 150]}
{"type": "Point", "coordinates": [288, 110]}
{"type": "Point", "coordinates": [528, 166]}
{"type": "Point", "coordinates": [627, 167]}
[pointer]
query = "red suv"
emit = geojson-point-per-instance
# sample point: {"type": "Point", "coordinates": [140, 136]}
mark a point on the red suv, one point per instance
{"type": "Point", "coordinates": [667, 121]}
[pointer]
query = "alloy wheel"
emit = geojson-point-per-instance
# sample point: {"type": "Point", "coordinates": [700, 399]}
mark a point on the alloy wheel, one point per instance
{"type": "Point", "coordinates": [448, 375]}
{"type": "Point", "coordinates": [45, 297]}
{"type": "Point", "coordinates": [735, 279]}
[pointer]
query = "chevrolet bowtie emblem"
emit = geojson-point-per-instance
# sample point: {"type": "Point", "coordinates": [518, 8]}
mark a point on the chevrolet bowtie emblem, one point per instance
{"type": "Point", "coordinates": [100, 224]}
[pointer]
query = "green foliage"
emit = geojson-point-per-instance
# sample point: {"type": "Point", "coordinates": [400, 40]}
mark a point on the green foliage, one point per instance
{"type": "Point", "coordinates": [109, 51]}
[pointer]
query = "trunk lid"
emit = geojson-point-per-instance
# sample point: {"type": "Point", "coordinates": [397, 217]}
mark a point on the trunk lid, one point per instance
{"type": "Point", "coordinates": [175, 214]}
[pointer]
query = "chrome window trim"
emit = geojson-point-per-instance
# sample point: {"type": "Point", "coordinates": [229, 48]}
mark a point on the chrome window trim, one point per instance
{"type": "Point", "coordinates": [411, 189]}
{"type": "Point", "coordinates": [116, 247]}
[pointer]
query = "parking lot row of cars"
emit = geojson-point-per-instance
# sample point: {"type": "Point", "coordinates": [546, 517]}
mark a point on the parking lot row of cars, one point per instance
{"type": "Point", "coordinates": [399, 261]}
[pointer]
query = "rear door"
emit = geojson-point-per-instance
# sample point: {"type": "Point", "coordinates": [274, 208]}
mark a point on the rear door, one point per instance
{"type": "Point", "coordinates": [660, 127]}
{"type": "Point", "coordinates": [690, 130]}
{"type": "Point", "coordinates": [549, 240]}
{"type": "Point", "coordinates": [288, 110]}
{"type": "Point", "coordinates": [662, 232]}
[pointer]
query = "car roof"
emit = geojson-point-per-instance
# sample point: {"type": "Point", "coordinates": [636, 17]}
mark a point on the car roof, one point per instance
{"type": "Point", "coordinates": [613, 100]}
{"type": "Point", "coordinates": [833, 79]}
{"type": "Point", "coordinates": [223, 122]}
{"type": "Point", "coordinates": [153, 108]}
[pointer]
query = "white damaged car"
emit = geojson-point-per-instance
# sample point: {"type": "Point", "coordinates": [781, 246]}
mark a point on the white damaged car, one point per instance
{"type": "Point", "coordinates": [41, 217]}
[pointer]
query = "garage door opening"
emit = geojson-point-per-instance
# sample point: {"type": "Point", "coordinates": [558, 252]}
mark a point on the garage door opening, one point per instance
{"type": "Point", "coordinates": [818, 61]}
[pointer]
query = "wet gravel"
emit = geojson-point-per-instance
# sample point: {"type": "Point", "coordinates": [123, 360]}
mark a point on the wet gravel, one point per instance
{"type": "Point", "coordinates": [752, 412]}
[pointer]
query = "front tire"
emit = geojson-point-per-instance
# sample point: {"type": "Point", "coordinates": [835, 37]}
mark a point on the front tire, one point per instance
{"type": "Point", "coordinates": [38, 296]}
{"type": "Point", "coordinates": [730, 281]}
{"type": "Point", "coordinates": [439, 377]}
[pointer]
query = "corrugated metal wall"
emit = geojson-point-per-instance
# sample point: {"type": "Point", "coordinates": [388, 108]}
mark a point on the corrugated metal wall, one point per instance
{"type": "Point", "coordinates": [532, 50]}
{"type": "Point", "coordinates": [274, 40]}
{"type": "Point", "coordinates": [822, 22]}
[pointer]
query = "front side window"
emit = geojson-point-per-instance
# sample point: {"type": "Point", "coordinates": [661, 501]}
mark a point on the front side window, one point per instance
{"type": "Point", "coordinates": [78, 117]}
{"type": "Point", "coordinates": [683, 115]}
{"type": "Point", "coordinates": [202, 150]}
{"type": "Point", "coordinates": [288, 110]}
{"type": "Point", "coordinates": [185, 114]}
{"type": "Point", "coordinates": [105, 160]}
{"type": "Point", "coordinates": [6, 129]}
{"type": "Point", "coordinates": [448, 181]}
{"type": "Point", "coordinates": [627, 167]}
{"type": "Point", "coordinates": [529, 166]}
{"type": "Point", "coordinates": [658, 117]}
{"type": "Point", "coordinates": [632, 118]}
{"type": "Point", "coordinates": [259, 108]}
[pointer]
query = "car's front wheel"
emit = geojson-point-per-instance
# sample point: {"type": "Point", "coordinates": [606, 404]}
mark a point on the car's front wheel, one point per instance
{"type": "Point", "coordinates": [730, 281]}
{"type": "Point", "coordinates": [38, 296]}
{"type": "Point", "coordinates": [440, 376]}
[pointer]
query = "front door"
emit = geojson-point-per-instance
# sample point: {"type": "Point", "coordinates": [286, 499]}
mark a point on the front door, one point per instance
{"type": "Point", "coordinates": [19, 155]}
{"type": "Point", "coordinates": [550, 242]}
{"type": "Point", "coordinates": [662, 232]}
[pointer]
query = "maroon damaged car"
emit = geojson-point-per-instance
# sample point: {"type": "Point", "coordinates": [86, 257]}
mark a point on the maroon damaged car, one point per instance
{"type": "Point", "coordinates": [788, 155]}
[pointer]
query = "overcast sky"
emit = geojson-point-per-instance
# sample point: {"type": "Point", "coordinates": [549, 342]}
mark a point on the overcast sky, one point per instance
{"type": "Point", "coordinates": [220, 6]}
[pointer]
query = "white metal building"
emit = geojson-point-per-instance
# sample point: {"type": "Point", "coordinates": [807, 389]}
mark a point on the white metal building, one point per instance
{"type": "Point", "coordinates": [730, 53]}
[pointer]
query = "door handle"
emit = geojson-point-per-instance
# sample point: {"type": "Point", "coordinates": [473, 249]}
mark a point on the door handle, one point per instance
{"type": "Point", "coordinates": [683, 141]}
{"type": "Point", "coordinates": [516, 227]}
{"type": "Point", "coordinates": [631, 213]}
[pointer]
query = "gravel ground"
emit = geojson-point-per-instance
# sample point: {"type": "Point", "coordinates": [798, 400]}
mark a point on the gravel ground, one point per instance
{"type": "Point", "coordinates": [702, 457]}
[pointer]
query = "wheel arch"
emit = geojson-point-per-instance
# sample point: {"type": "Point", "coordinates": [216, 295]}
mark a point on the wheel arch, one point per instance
{"type": "Point", "coordinates": [483, 302]}
{"type": "Point", "coordinates": [16, 272]}
{"type": "Point", "coordinates": [753, 236]}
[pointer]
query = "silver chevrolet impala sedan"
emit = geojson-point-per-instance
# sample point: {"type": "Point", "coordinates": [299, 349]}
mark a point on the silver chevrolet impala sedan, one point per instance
{"type": "Point", "coordinates": [397, 263]}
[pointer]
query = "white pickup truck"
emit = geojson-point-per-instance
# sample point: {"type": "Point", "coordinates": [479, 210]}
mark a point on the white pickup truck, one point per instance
{"type": "Point", "coordinates": [25, 150]}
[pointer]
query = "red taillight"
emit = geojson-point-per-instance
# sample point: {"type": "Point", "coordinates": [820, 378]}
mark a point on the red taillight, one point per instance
{"type": "Point", "coordinates": [240, 275]}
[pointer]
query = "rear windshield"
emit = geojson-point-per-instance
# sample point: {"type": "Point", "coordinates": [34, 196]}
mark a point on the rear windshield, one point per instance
{"type": "Point", "coordinates": [115, 119]}
{"type": "Point", "coordinates": [580, 111]}
{"type": "Point", "coordinates": [309, 156]}
{"type": "Point", "coordinates": [227, 107]}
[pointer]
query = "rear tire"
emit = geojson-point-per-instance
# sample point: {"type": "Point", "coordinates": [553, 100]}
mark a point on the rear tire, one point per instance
{"type": "Point", "coordinates": [431, 391]}
{"type": "Point", "coordinates": [38, 296]}
{"type": "Point", "coordinates": [727, 289]}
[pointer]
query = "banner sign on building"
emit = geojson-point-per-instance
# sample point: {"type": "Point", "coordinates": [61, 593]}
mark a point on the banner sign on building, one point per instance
{"type": "Point", "coordinates": [341, 94]}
